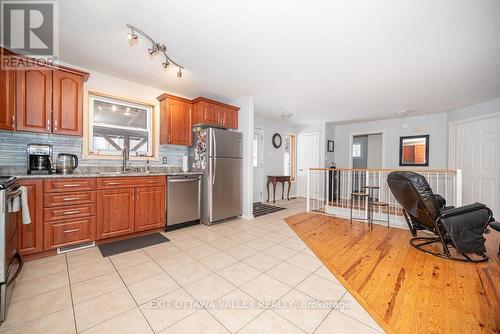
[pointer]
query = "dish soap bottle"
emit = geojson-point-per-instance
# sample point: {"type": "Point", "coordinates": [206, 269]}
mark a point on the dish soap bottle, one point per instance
{"type": "Point", "coordinates": [148, 167]}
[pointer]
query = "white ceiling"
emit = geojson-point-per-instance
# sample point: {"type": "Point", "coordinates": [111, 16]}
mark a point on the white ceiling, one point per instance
{"type": "Point", "coordinates": [319, 60]}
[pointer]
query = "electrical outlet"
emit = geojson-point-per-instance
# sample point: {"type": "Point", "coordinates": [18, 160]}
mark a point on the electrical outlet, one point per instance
{"type": "Point", "coordinates": [164, 160]}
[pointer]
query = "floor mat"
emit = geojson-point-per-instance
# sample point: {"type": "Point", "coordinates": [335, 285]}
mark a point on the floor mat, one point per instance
{"type": "Point", "coordinates": [122, 246]}
{"type": "Point", "coordinates": [261, 209]}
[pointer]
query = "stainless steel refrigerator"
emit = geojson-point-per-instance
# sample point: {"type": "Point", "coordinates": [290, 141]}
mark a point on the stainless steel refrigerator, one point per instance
{"type": "Point", "coordinates": [218, 154]}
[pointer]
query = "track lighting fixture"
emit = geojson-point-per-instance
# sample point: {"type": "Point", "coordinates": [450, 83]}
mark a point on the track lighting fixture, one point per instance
{"type": "Point", "coordinates": [155, 48]}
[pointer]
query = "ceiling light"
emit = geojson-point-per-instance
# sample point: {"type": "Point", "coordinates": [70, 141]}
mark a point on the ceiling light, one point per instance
{"type": "Point", "coordinates": [113, 107]}
{"type": "Point", "coordinates": [131, 35]}
{"type": "Point", "coordinates": [156, 47]}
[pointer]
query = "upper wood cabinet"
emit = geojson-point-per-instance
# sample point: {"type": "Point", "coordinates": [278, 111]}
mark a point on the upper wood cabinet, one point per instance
{"type": "Point", "coordinates": [34, 99]}
{"type": "Point", "coordinates": [209, 112]}
{"type": "Point", "coordinates": [49, 100]}
{"type": "Point", "coordinates": [7, 102]}
{"type": "Point", "coordinates": [67, 103]}
{"type": "Point", "coordinates": [175, 120]}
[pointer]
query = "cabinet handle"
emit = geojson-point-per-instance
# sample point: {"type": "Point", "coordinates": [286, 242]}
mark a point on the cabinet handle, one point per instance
{"type": "Point", "coordinates": [55, 125]}
{"type": "Point", "coordinates": [151, 181]}
{"type": "Point", "coordinates": [48, 125]}
{"type": "Point", "coordinates": [71, 185]}
{"type": "Point", "coordinates": [70, 213]}
{"type": "Point", "coordinates": [13, 122]}
{"type": "Point", "coordinates": [113, 183]}
{"type": "Point", "coordinates": [71, 198]}
{"type": "Point", "coordinates": [73, 230]}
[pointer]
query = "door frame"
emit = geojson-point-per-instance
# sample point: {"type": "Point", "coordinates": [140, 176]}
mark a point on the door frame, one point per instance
{"type": "Point", "coordinates": [299, 135]}
{"type": "Point", "coordinates": [261, 158]}
{"type": "Point", "coordinates": [452, 135]}
{"type": "Point", "coordinates": [366, 133]}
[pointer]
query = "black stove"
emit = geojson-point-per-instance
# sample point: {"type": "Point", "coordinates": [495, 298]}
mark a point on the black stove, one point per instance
{"type": "Point", "coordinates": [7, 181]}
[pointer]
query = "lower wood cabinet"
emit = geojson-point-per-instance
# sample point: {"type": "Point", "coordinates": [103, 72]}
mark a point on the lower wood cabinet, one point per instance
{"type": "Point", "coordinates": [115, 212]}
{"type": "Point", "coordinates": [149, 208]}
{"type": "Point", "coordinates": [68, 232]}
{"type": "Point", "coordinates": [31, 235]}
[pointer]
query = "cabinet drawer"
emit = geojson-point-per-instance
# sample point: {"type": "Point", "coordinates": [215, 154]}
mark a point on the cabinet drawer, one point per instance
{"type": "Point", "coordinates": [69, 232]}
{"type": "Point", "coordinates": [130, 182]}
{"type": "Point", "coordinates": [68, 212]}
{"type": "Point", "coordinates": [64, 199]}
{"type": "Point", "coordinates": [66, 185]}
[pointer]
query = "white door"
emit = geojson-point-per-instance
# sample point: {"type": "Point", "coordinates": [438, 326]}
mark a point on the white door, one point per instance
{"type": "Point", "coordinates": [258, 155]}
{"type": "Point", "coordinates": [307, 157]}
{"type": "Point", "coordinates": [477, 153]}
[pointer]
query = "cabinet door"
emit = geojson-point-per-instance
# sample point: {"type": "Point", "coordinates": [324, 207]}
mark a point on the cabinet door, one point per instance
{"type": "Point", "coordinates": [67, 97]}
{"type": "Point", "coordinates": [115, 213]}
{"type": "Point", "coordinates": [31, 235]}
{"type": "Point", "coordinates": [210, 113]}
{"type": "Point", "coordinates": [34, 99]}
{"type": "Point", "coordinates": [149, 208]}
{"type": "Point", "coordinates": [179, 122]}
{"type": "Point", "coordinates": [229, 118]}
{"type": "Point", "coordinates": [7, 121]}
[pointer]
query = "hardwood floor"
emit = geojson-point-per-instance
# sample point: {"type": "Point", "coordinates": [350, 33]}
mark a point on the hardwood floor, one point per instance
{"type": "Point", "coordinates": [403, 289]}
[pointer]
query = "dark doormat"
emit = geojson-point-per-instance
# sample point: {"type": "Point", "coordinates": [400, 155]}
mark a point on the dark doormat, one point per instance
{"type": "Point", "coordinates": [261, 209]}
{"type": "Point", "coordinates": [122, 246]}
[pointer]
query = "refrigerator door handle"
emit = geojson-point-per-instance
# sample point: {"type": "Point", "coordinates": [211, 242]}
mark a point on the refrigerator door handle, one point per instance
{"type": "Point", "coordinates": [215, 158]}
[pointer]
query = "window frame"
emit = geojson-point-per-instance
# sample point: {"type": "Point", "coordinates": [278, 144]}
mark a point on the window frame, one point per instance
{"type": "Point", "coordinates": [153, 139]}
{"type": "Point", "coordinates": [293, 154]}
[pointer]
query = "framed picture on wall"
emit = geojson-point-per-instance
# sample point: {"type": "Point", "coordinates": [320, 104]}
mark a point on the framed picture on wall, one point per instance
{"type": "Point", "coordinates": [330, 146]}
{"type": "Point", "coordinates": [414, 150]}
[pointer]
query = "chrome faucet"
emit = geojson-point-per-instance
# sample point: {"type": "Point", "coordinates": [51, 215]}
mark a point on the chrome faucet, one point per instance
{"type": "Point", "coordinates": [126, 155]}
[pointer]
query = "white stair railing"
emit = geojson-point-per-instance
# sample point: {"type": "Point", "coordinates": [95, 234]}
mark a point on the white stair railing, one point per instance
{"type": "Point", "coordinates": [329, 191]}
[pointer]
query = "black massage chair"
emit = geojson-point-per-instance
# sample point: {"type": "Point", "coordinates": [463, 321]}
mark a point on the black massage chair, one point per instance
{"type": "Point", "coordinates": [461, 228]}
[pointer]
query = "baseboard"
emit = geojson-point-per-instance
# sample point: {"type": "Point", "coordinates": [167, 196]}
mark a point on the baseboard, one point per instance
{"type": "Point", "coordinates": [247, 217]}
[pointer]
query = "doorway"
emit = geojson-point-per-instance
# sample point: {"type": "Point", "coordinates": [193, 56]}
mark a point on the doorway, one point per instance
{"type": "Point", "coordinates": [366, 153]}
{"type": "Point", "coordinates": [257, 162]}
{"type": "Point", "coordinates": [307, 157]}
{"type": "Point", "coordinates": [474, 148]}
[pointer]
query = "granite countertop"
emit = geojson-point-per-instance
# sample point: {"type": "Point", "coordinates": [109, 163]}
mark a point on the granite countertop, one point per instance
{"type": "Point", "coordinates": [101, 174]}
{"type": "Point", "coordinates": [96, 172]}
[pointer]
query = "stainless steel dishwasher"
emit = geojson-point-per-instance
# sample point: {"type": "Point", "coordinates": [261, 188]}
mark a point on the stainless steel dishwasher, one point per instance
{"type": "Point", "coordinates": [183, 200]}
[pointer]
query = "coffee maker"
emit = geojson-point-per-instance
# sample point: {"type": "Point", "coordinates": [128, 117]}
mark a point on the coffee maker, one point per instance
{"type": "Point", "coordinates": [39, 159]}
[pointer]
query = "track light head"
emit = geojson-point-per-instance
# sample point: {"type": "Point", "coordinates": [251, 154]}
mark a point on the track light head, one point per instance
{"type": "Point", "coordinates": [179, 73]}
{"type": "Point", "coordinates": [165, 64]}
{"type": "Point", "coordinates": [131, 35]}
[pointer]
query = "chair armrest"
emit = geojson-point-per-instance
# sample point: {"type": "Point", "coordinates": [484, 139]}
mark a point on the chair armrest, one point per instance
{"type": "Point", "coordinates": [440, 200]}
{"type": "Point", "coordinates": [462, 210]}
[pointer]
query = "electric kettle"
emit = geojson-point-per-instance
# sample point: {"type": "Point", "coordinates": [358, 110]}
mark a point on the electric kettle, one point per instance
{"type": "Point", "coordinates": [66, 163]}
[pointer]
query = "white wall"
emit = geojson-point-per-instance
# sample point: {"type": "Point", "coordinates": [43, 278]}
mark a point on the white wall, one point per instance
{"type": "Point", "coordinates": [435, 125]}
{"type": "Point", "coordinates": [273, 163]}
{"type": "Point", "coordinates": [481, 109]}
{"type": "Point", "coordinates": [245, 126]}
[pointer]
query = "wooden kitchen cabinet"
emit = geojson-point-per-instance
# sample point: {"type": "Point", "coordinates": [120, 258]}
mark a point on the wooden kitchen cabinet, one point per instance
{"type": "Point", "coordinates": [149, 208]}
{"type": "Point", "coordinates": [115, 212]}
{"type": "Point", "coordinates": [175, 120]}
{"type": "Point", "coordinates": [49, 100]}
{"type": "Point", "coordinates": [69, 232]}
{"type": "Point", "coordinates": [67, 103]}
{"type": "Point", "coordinates": [31, 235]}
{"type": "Point", "coordinates": [34, 99]}
{"type": "Point", "coordinates": [7, 99]}
{"type": "Point", "coordinates": [209, 112]}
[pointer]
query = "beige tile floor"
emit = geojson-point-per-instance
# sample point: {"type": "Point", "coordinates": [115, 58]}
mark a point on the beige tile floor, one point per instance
{"type": "Point", "coordinates": [236, 277]}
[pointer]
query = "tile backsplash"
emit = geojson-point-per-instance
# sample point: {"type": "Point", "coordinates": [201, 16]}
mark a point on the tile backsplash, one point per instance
{"type": "Point", "coordinates": [13, 149]}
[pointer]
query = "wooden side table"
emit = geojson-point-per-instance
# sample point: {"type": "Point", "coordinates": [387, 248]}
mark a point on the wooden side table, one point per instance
{"type": "Point", "coordinates": [274, 179]}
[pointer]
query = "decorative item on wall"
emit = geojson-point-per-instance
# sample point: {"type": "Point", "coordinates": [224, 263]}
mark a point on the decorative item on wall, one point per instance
{"type": "Point", "coordinates": [330, 146]}
{"type": "Point", "coordinates": [277, 140]}
{"type": "Point", "coordinates": [155, 48]}
{"type": "Point", "coordinates": [414, 150]}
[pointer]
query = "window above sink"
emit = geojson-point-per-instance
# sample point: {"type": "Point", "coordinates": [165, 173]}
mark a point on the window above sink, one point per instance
{"type": "Point", "coordinates": [114, 123]}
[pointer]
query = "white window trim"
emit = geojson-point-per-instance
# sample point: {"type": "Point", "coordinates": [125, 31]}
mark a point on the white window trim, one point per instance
{"type": "Point", "coordinates": [88, 126]}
